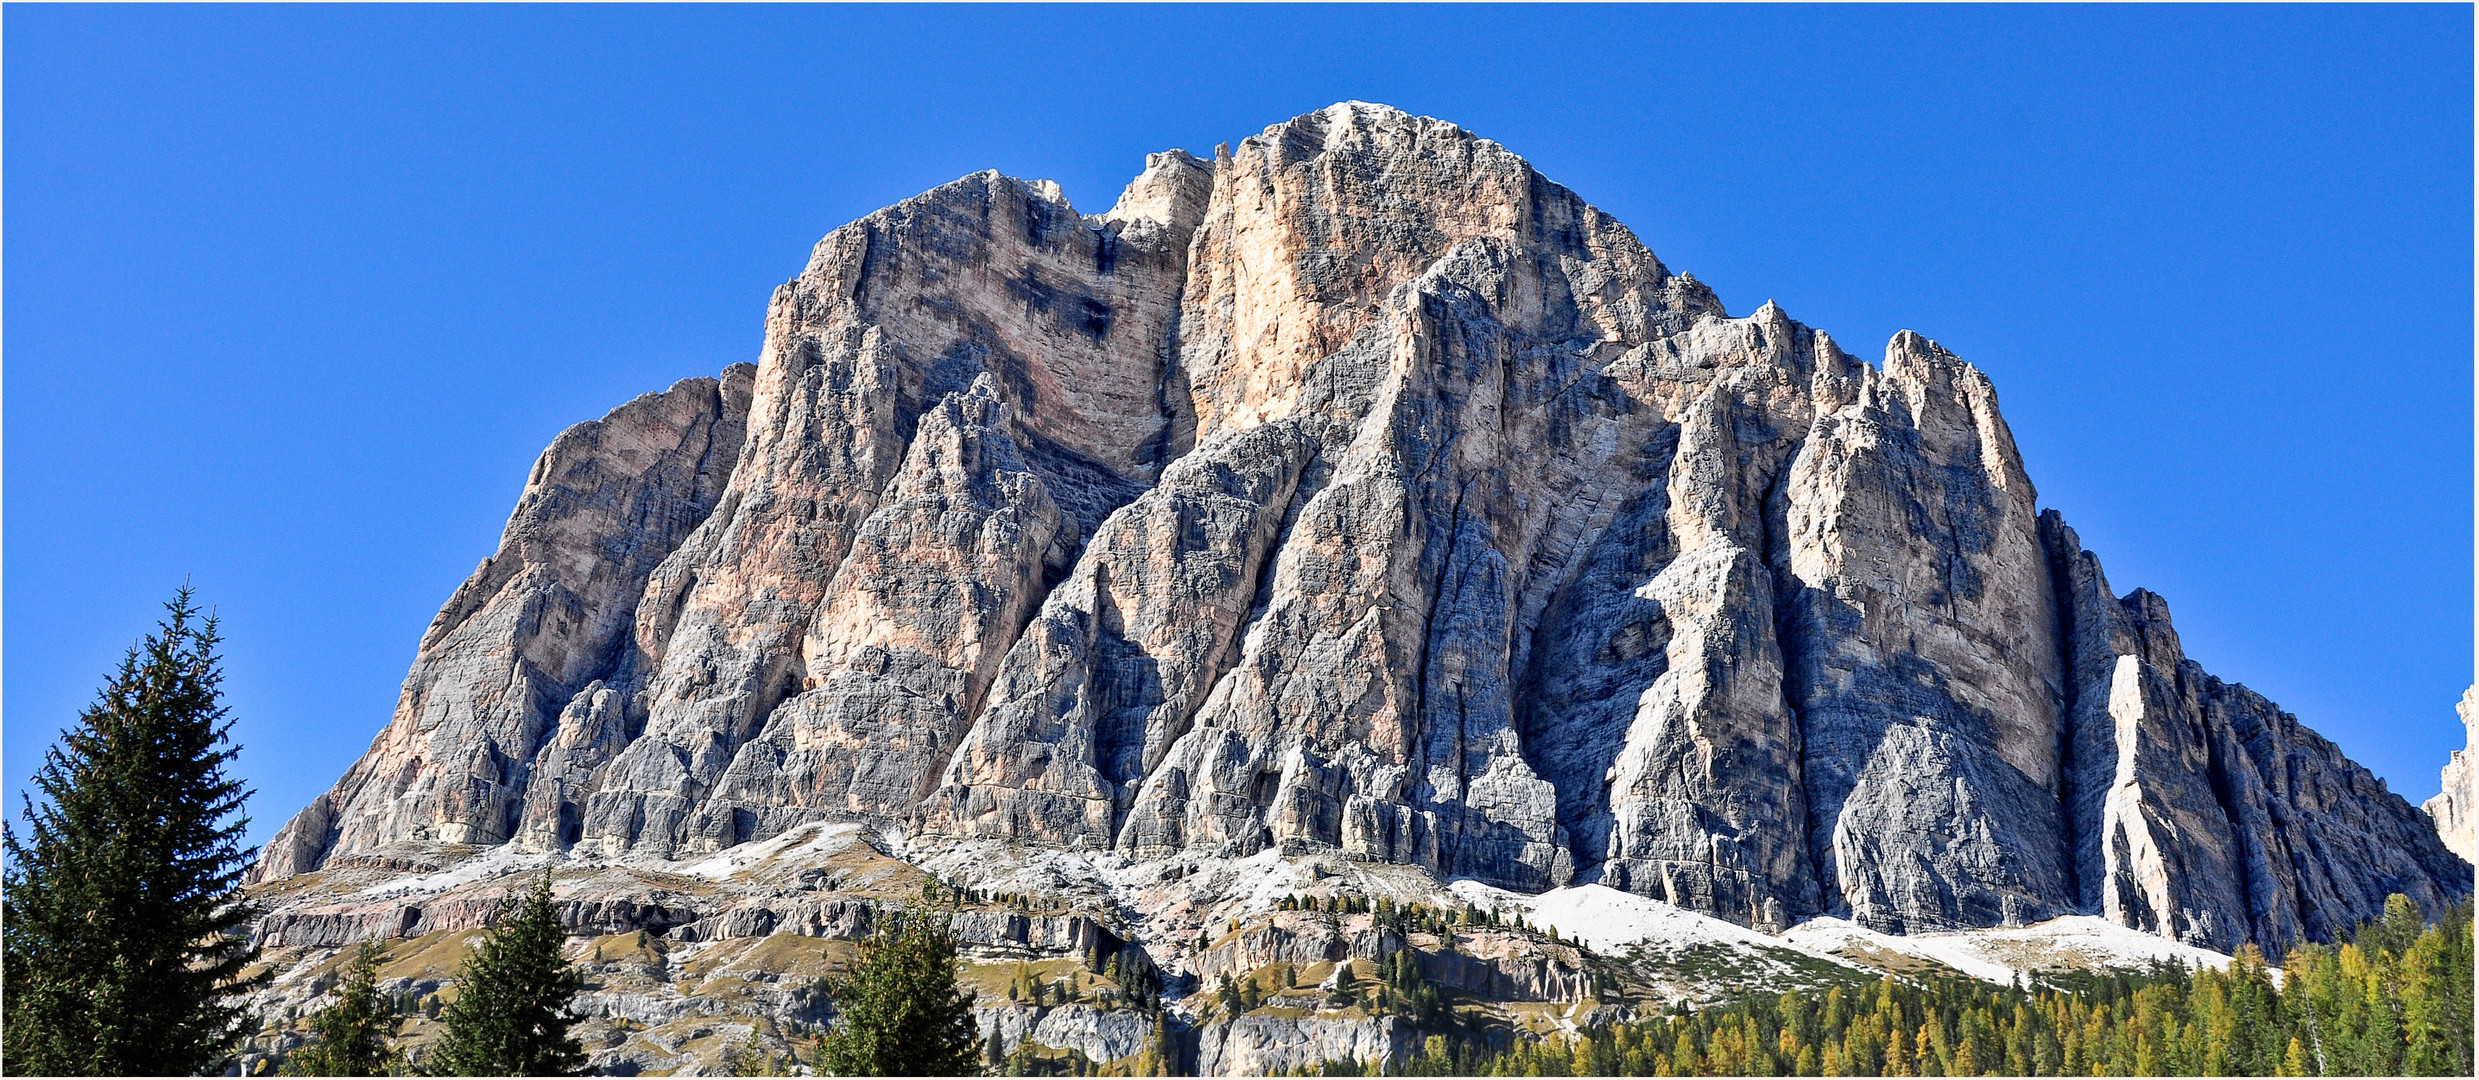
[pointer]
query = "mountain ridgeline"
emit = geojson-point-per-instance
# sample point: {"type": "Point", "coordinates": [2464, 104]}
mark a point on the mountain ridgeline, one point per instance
{"type": "Point", "coordinates": [1357, 491]}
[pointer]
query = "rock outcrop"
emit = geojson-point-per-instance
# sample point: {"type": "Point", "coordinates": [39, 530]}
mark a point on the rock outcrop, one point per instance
{"type": "Point", "coordinates": [1360, 491]}
{"type": "Point", "coordinates": [1274, 1045]}
{"type": "Point", "coordinates": [505, 711]}
{"type": "Point", "coordinates": [1099, 1034]}
{"type": "Point", "coordinates": [2455, 810]}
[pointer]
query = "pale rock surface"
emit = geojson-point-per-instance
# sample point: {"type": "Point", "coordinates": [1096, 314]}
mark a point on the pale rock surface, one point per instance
{"type": "Point", "coordinates": [939, 581]}
{"type": "Point", "coordinates": [1923, 654]}
{"type": "Point", "coordinates": [2455, 810]}
{"type": "Point", "coordinates": [1273, 1045]}
{"type": "Point", "coordinates": [1359, 496]}
{"type": "Point", "coordinates": [1111, 672]}
{"type": "Point", "coordinates": [1372, 707]}
{"type": "Point", "coordinates": [1100, 1034]}
{"type": "Point", "coordinates": [987, 276]}
{"type": "Point", "coordinates": [2201, 811]}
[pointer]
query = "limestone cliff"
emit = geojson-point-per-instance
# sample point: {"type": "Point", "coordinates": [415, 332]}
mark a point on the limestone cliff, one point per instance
{"type": "Point", "coordinates": [2456, 809]}
{"type": "Point", "coordinates": [1360, 491]}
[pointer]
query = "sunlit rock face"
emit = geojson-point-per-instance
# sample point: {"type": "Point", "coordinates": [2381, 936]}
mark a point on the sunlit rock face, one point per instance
{"type": "Point", "coordinates": [2456, 809]}
{"type": "Point", "coordinates": [1362, 491]}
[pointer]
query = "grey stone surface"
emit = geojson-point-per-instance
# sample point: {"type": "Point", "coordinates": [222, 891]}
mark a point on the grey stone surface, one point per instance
{"type": "Point", "coordinates": [1100, 1034]}
{"type": "Point", "coordinates": [940, 580]}
{"type": "Point", "coordinates": [2198, 809]}
{"type": "Point", "coordinates": [1272, 1045]}
{"type": "Point", "coordinates": [1923, 654]}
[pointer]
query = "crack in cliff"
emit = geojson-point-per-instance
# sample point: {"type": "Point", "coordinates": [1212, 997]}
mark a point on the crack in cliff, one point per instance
{"type": "Point", "coordinates": [2065, 604]}
{"type": "Point", "coordinates": [1773, 539]}
{"type": "Point", "coordinates": [1420, 683]}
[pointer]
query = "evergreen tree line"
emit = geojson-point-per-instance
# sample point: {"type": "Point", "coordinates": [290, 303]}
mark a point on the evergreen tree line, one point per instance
{"type": "Point", "coordinates": [2395, 1000]}
{"type": "Point", "coordinates": [1129, 984]}
{"type": "Point", "coordinates": [124, 942]}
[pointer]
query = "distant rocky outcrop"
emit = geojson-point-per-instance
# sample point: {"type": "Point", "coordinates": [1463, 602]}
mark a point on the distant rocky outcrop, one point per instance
{"type": "Point", "coordinates": [1360, 491]}
{"type": "Point", "coordinates": [2456, 809]}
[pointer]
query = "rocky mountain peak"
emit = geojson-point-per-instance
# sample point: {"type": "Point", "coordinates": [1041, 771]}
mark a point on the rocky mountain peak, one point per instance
{"type": "Point", "coordinates": [1358, 494]}
{"type": "Point", "coordinates": [1170, 193]}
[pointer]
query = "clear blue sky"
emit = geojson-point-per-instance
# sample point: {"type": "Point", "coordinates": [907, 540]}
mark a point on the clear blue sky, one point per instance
{"type": "Point", "coordinates": [294, 295]}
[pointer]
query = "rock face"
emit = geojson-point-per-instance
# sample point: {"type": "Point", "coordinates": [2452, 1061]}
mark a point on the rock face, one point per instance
{"type": "Point", "coordinates": [1274, 1045]}
{"type": "Point", "coordinates": [2199, 809]}
{"type": "Point", "coordinates": [1359, 491]}
{"type": "Point", "coordinates": [506, 710]}
{"type": "Point", "coordinates": [2456, 809]}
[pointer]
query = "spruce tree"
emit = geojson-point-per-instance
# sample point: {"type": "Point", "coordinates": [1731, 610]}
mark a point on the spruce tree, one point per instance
{"type": "Point", "coordinates": [511, 1014]}
{"type": "Point", "coordinates": [124, 943]}
{"type": "Point", "coordinates": [901, 1013]}
{"type": "Point", "coordinates": [356, 1035]}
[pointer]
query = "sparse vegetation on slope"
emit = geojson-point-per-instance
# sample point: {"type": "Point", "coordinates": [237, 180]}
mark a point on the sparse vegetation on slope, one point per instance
{"type": "Point", "coordinates": [356, 1036]}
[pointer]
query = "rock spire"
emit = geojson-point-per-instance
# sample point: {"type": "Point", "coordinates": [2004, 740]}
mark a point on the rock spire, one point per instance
{"type": "Point", "coordinates": [2456, 809]}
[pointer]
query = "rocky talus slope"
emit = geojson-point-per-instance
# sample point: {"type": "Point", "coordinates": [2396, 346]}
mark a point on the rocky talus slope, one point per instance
{"type": "Point", "coordinates": [2456, 808]}
{"type": "Point", "coordinates": [1357, 497]}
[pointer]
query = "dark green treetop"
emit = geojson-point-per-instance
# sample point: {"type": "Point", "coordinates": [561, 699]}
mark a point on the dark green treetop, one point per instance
{"type": "Point", "coordinates": [900, 1010]}
{"type": "Point", "coordinates": [511, 1014]}
{"type": "Point", "coordinates": [125, 941]}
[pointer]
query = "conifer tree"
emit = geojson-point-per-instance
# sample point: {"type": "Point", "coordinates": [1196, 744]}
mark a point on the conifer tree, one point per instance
{"type": "Point", "coordinates": [1161, 1054]}
{"type": "Point", "coordinates": [1345, 986]}
{"type": "Point", "coordinates": [511, 1014]}
{"type": "Point", "coordinates": [901, 1012]}
{"type": "Point", "coordinates": [124, 948]}
{"type": "Point", "coordinates": [2395, 1000]}
{"type": "Point", "coordinates": [356, 1035]}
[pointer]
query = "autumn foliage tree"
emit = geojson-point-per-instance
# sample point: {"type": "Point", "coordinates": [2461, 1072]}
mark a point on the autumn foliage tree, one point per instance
{"type": "Point", "coordinates": [2395, 999]}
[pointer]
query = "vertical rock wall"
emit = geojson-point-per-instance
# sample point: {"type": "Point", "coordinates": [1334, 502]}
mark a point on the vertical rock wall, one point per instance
{"type": "Point", "coordinates": [2455, 810]}
{"type": "Point", "coordinates": [1924, 657]}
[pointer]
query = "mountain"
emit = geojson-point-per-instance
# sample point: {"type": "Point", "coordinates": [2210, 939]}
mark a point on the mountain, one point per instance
{"type": "Point", "coordinates": [1362, 501]}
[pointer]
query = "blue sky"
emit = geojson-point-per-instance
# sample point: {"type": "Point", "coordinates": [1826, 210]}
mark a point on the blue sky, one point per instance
{"type": "Point", "coordinates": [294, 295]}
